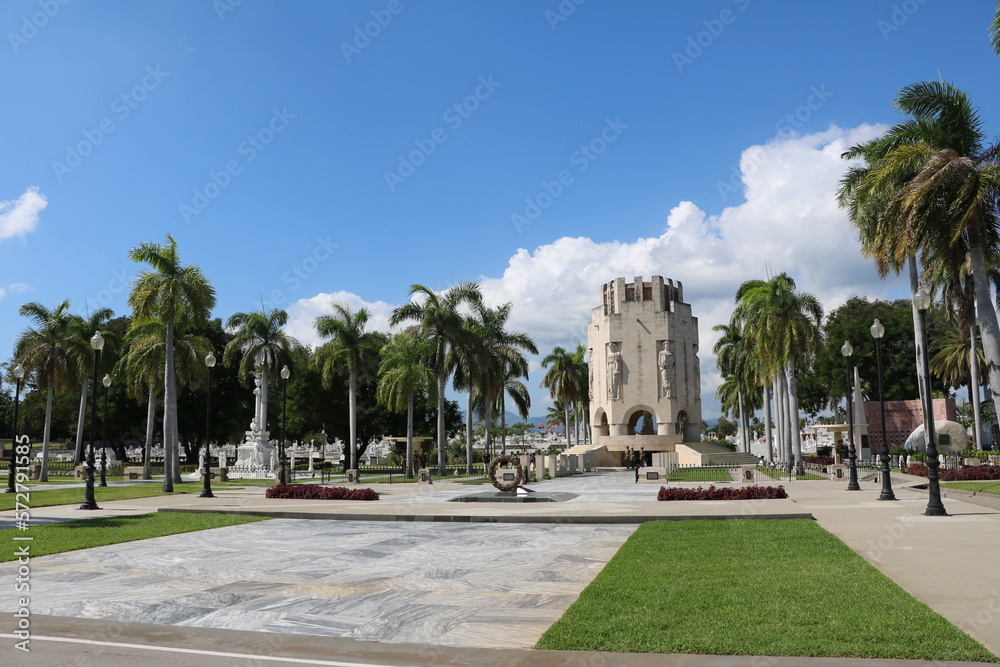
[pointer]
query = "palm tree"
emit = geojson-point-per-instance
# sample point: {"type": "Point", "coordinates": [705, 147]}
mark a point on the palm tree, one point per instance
{"type": "Point", "coordinates": [928, 185]}
{"type": "Point", "coordinates": [261, 346]}
{"type": "Point", "coordinates": [84, 329]}
{"type": "Point", "coordinates": [51, 351]}
{"type": "Point", "coordinates": [562, 380]}
{"type": "Point", "coordinates": [142, 365]}
{"type": "Point", "coordinates": [582, 405]}
{"type": "Point", "coordinates": [404, 371]}
{"type": "Point", "coordinates": [440, 321]}
{"type": "Point", "coordinates": [168, 292]}
{"type": "Point", "coordinates": [784, 326]}
{"type": "Point", "coordinates": [351, 348]}
{"type": "Point", "coordinates": [952, 357]}
{"type": "Point", "coordinates": [995, 30]}
{"type": "Point", "coordinates": [464, 365]}
{"type": "Point", "coordinates": [501, 363]}
{"type": "Point", "coordinates": [733, 359]}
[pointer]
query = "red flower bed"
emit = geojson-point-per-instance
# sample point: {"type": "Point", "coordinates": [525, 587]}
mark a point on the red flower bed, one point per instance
{"type": "Point", "coordinates": [729, 493]}
{"type": "Point", "coordinates": [972, 474]}
{"type": "Point", "coordinates": [317, 492]}
{"type": "Point", "coordinates": [819, 460]}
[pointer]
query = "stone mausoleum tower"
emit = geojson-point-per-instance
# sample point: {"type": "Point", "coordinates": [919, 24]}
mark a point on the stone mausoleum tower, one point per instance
{"type": "Point", "coordinates": [644, 372]}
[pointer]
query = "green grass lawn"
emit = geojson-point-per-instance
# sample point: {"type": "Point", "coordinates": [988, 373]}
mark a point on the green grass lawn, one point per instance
{"type": "Point", "coordinates": [752, 587]}
{"type": "Point", "coordinates": [56, 538]}
{"type": "Point", "coordinates": [700, 475]}
{"type": "Point", "coordinates": [40, 497]}
{"type": "Point", "coordinates": [978, 487]}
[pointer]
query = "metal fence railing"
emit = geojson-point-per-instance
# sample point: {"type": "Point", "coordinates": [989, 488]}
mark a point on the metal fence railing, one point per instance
{"type": "Point", "coordinates": [394, 475]}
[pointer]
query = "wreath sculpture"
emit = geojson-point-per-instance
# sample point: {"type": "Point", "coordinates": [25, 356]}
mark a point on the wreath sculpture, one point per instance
{"type": "Point", "coordinates": [506, 485]}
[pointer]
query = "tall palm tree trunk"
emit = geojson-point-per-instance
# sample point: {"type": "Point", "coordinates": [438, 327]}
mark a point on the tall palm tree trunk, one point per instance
{"type": "Point", "coordinates": [442, 381]}
{"type": "Point", "coordinates": [80, 419]}
{"type": "Point", "coordinates": [503, 425]}
{"type": "Point", "coordinates": [790, 428]}
{"type": "Point", "coordinates": [566, 425]}
{"type": "Point", "coordinates": [468, 435]}
{"type": "Point", "coordinates": [169, 410]}
{"type": "Point", "coordinates": [150, 425]}
{"type": "Point", "coordinates": [352, 401]}
{"type": "Point", "coordinates": [977, 416]}
{"type": "Point", "coordinates": [779, 418]}
{"type": "Point", "coordinates": [488, 418]}
{"type": "Point", "coordinates": [984, 307]}
{"type": "Point", "coordinates": [409, 436]}
{"type": "Point", "coordinates": [43, 476]}
{"type": "Point", "coordinates": [743, 420]}
{"type": "Point", "coordinates": [176, 468]}
{"type": "Point", "coordinates": [918, 331]}
{"type": "Point", "coordinates": [768, 435]}
{"type": "Point", "coordinates": [794, 408]}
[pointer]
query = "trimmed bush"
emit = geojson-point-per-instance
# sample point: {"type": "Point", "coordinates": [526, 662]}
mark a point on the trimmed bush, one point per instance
{"type": "Point", "coordinates": [317, 492]}
{"type": "Point", "coordinates": [735, 493]}
{"type": "Point", "coordinates": [975, 474]}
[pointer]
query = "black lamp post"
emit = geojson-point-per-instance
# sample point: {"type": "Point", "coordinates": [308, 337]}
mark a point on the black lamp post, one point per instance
{"type": "Point", "coordinates": [285, 373]}
{"type": "Point", "coordinates": [106, 381]}
{"type": "Point", "coordinates": [89, 503]}
{"type": "Point", "coordinates": [922, 301]}
{"type": "Point", "coordinates": [206, 470]}
{"type": "Point", "coordinates": [18, 374]}
{"type": "Point", "coordinates": [877, 332]}
{"type": "Point", "coordinates": [852, 452]}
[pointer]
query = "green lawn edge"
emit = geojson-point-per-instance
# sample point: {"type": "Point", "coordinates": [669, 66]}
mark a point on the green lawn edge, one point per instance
{"type": "Point", "coordinates": [992, 488]}
{"type": "Point", "coordinates": [42, 497]}
{"type": "Point", "coordinates": [55, 538]}
{"type": "Point", "coordinates": [752, 587]}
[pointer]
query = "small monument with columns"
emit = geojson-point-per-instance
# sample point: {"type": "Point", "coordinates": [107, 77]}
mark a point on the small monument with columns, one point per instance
{"type": "Point", "coordinates": [256, 456]}
{"type": "Point", "coordinates": [645, 385]}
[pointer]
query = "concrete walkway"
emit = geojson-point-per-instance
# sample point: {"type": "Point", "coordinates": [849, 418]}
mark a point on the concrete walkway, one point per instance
{"type": "Point", "coordinates": [946, 562]}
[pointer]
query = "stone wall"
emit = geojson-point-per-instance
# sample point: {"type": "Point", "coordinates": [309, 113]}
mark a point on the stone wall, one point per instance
{"type": "Point", "coordinates": [901, 417]}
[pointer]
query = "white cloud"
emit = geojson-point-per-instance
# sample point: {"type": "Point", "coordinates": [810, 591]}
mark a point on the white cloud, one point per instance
{"type": "Point", "coordinates": [20, 217]}
{"type": "Point", "coordinates": [13, 288]}
{"type": "Point", "coordinates": [304, 312]}
{"type": "Point", "coordinates": [789, 222]}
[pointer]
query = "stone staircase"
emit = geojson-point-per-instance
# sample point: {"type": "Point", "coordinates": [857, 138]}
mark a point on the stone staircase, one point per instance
{"type": "Point", "coordinates": [720, 455]}
{"type": "Point", "coordinates": [581, 449]}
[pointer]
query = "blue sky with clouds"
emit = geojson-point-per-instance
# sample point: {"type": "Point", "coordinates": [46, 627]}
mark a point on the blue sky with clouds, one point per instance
{"type": "Point", "coordinates": [302, 152]}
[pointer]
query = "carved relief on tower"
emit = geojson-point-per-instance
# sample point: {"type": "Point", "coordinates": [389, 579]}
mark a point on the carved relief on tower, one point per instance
{"type": "Point", "coordinates": [666, 365]}
{"type": "Point", "coordinates": [615, 372]}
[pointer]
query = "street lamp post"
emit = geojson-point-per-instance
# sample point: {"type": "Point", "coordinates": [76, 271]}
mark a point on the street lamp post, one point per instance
{"type": "Point", "coordinates": [852, 452]}
{"type": "Point", "coordinates": [106, 381]}
{"type": "Point", "coordinates": [206, 470]}
{"type": "Point", "coordinates": [922, 301]}
{"type": "Point", "coordinates": [877, 332]}
{"type": "Point", "coordinates": [18, 374]}
{"type": "Point", "coordinates": [89, 503]}
{"type": "Point", "coordinates": [285, 373]}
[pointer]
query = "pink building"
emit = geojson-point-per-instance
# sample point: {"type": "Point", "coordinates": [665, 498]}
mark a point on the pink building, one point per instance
{"type": "Point", "coordinates": [901, 417]}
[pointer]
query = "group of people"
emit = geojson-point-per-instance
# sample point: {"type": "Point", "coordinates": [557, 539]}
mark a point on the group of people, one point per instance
{"type": "Point", "coordinates": [635, 458]}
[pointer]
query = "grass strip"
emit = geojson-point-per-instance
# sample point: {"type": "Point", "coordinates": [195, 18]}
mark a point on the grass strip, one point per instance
{"type": "Point", "coordinates": [750, 587]}
{"type": "Point", "coordinates": [38, 497]}
{"type": "Point", "coordinates": [55, 538]}
{"type": "Point", "coordinates": [978, 487]}
{"type": "Point", "coordinates": [700, 475]}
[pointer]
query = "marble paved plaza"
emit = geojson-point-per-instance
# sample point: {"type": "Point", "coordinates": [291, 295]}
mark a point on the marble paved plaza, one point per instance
{"type": "Point", "coordinates": [470, 584]}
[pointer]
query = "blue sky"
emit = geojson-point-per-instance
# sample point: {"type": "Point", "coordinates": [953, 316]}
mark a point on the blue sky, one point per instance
{"type": "Point", "coordinates": [541, 148]}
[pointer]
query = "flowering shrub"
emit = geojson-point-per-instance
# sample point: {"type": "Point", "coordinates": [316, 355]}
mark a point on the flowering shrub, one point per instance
{"type": "Point", "coordinates": [731, 493]}
{"type": "Point", "coordinates": [317, 492]}
{"type": "Point", "coordinates": [964, 475]}
{"type": "Point", "coordinates": [818, 460]}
